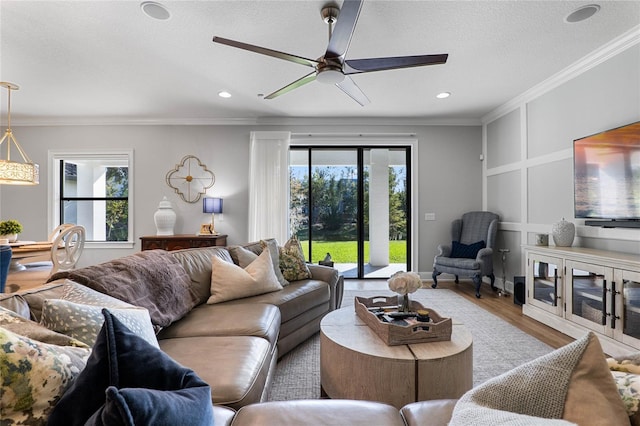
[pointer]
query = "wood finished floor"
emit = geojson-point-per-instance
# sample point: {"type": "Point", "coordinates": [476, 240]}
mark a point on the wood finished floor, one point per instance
{"type": "Point", "coordinates": [502, 307]}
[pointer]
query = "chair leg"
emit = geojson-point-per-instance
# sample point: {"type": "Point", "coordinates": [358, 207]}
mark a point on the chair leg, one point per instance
{"type": "Point", "coordinates": [435, 278]}
{"type": "Point", "coordinates": [457, 281]}
{"type": "Point", "coordinates": [477, 280]}
{"type": "Point", "coordinates": [492, 277]}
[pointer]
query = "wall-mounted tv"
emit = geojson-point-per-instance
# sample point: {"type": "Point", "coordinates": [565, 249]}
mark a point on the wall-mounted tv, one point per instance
{"type": "Point", "coordinates": [606, 169]}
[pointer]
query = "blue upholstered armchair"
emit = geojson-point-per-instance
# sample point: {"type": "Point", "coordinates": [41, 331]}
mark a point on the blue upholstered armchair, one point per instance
{"type": "Point", "coordinates": [470, 253]}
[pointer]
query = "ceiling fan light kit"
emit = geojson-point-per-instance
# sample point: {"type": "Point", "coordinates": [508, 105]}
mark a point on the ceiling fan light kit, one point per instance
{"type": "Point", "coordinates": [332, 67]}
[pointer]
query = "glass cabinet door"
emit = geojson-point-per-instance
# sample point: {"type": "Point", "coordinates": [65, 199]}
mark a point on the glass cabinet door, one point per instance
{"type": "Point", "coordinates": [545, 287]}
{"type": "Point", "coordinates": [626, 322]}
{"type": "Point", "coordinates": [588, 297]}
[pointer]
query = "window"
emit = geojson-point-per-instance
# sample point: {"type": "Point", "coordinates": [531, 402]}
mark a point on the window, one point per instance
{"type": "Point", "coordinates": [94, 189]}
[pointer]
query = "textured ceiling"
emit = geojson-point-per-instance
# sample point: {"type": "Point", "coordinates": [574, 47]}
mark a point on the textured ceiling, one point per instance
{"type": "Point", "coordinates": [105, 61]}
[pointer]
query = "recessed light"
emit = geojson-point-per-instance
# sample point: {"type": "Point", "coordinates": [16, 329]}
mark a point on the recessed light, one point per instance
{"type": "Point", "coordinates": [155, 10]}
{"type": "Point", "coordinates": [224, 94]}
{"type": "Point", "coordinates": [582, 13]}
{"type": "Point", "coordinates": [443, 95]}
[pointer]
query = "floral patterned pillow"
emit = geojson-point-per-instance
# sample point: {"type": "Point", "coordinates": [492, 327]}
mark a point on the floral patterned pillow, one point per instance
{"type": "Point", "coordinates": [34, 376]}
{"type": "Point", "coordinates": [292, 263]}
{"type": "Point", "coordinates": [626, 373]}
{"type": "Point", "coordinates": [629, 389]}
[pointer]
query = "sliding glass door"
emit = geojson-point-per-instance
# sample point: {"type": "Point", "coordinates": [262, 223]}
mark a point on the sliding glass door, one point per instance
{"type": "Point", "coordinates": [351, 205]}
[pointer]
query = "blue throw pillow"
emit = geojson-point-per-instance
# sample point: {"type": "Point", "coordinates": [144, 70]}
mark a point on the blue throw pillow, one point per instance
{"type": "Point", "coordinates": [466, 251]}
{"type": "Point", "coordinates": [128, 381]}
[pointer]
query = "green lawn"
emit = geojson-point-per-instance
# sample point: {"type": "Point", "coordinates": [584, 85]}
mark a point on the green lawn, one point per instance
{"type": "Point", "coordinates": [346, 251]}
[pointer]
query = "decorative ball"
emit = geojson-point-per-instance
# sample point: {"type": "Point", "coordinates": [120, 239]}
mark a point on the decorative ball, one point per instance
{"type": "Point", "coordinates": [563, 233]}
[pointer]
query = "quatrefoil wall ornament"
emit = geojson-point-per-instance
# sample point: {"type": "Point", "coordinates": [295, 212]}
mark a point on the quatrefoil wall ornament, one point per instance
{"type": "Point", "coordinates": [190, 179]}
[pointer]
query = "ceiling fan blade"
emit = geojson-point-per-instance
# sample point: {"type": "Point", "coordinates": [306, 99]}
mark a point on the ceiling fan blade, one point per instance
{"type": "Point", "coordinates": [289, 87]}
{"type": "Point", "coordinates": [264, 51]}
{"type": "Point", "coordinates": [343, 31]}
{"type": "Point", "coordinates": [355, 66]}
{"type": "Point", "coordinates": [350, 87]}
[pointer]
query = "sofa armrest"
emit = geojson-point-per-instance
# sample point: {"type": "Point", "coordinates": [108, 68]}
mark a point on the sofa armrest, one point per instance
{"type": "Point", "coordinates": [444, 250]}
{"type": "Point", "coordinates": [332, 277]}
{"type": "Point", "coordinates": [485, 253]}
{"type": "Point", "coordinates": [437, 411]}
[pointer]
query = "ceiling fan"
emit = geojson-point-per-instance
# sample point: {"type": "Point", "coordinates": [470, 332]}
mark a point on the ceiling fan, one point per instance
{"type": "Point", "coordinates": [332, 67]}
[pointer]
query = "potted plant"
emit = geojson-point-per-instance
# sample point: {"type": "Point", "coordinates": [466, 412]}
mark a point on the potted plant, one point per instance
{"type": "Point", "coordinates": [10, 229]}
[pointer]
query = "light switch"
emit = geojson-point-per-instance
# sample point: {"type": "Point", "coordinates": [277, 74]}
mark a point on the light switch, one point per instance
{"type": "Point", "coordinates": [429, 216]}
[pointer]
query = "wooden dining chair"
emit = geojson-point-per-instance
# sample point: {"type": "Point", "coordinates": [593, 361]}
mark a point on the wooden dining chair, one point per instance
{"type": "Point", "coordinates": [66, 248]}
{"type": "Point", "coordinates": [67, 244]}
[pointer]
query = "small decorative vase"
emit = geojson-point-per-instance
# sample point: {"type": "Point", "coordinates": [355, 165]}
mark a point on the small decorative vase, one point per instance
{"type": "Point", "coordinates": [563, 233]}
{"type": "Point", "coordinates": [165, 218]}
{"type": "Point", "coordinates": [12, 238]}
{"type": "Point", "coordinates": [404, 303]}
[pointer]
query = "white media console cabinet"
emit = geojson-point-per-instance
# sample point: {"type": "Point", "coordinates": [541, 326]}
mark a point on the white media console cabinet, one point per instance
{"type": "Point", "coordinates": [575, 289]}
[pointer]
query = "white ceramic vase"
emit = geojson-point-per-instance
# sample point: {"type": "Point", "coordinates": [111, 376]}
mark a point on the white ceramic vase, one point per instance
{"type": "Point", "coordinates": [12, 238]}
{"type": "Point", "coordinates": [563, 233]}
{"type": "Point", "coordinates": [165, 218]}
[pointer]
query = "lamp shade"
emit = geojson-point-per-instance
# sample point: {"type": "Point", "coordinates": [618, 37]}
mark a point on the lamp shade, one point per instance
{"type": "Point", "coordinates": [14, 172]}
{"type": "Point", "coordinates": [212, 205]}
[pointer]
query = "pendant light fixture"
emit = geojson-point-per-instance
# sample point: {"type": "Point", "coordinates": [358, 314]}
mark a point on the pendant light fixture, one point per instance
{"type": "Point", "coordinates": [14, 172]}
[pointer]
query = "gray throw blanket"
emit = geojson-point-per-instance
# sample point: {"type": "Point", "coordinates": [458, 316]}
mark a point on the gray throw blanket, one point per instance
{"type": "Point", "coordinates": [152, 279]}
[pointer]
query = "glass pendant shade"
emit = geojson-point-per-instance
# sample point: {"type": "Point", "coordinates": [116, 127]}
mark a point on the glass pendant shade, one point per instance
{"type": "Point", "coordinates": [15, 172]}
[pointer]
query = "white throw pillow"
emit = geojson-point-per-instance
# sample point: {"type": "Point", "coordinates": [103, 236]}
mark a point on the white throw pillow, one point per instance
{"type": "Point", "coordinates": [229, 281]}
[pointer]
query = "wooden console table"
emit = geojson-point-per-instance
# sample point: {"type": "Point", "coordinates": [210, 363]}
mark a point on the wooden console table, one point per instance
{"type": "Point", "coordinates": [183, 241]}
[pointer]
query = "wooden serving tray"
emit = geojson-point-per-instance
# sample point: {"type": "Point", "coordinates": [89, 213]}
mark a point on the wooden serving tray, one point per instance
{"type": "Point", "coordinates": [437, 330]}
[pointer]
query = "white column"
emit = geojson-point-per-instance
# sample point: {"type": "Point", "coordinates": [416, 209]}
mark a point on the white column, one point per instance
{"type": "Point", "coordinates": [379, 208]}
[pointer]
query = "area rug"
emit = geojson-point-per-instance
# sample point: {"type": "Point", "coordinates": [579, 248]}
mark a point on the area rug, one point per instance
{"type": "Point", "coordinates": [497, 345]}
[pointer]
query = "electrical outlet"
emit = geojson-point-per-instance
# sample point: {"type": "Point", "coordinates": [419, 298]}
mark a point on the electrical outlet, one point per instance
{"type": "Point", "coordinates": [429, 216]}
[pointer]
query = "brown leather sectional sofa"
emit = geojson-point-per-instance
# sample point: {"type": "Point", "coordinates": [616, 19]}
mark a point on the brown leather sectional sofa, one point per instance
{"type": "Point", "coordinates": [234, 346]}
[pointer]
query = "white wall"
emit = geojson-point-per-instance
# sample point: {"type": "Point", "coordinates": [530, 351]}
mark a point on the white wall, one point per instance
{"type": "Point", "coordinates": [448, 167]}
{"type": "Point", "coordinates": [529, 150]}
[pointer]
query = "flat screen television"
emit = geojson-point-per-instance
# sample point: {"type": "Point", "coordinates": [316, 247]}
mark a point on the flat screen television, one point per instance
{"type": "Point", "coordinates": [606, 169]}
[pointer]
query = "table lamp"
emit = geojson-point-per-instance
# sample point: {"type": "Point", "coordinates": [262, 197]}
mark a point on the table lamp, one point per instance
{"type": "Point", "coordinates": [213, 206]}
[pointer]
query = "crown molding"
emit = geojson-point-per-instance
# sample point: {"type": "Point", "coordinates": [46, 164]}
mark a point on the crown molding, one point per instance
{"type": "Point", "coordinates": [598, 56]}
{"type": "Point", "coordinates": [125, 121]}
{"type": "Point", "coordinates": [367, 121]}
{"type": "Point", "coordinates": [259, 121]}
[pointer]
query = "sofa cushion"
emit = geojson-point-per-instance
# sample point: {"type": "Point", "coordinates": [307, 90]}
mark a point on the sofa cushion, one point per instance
{"type": "Point", "coordinates": [151, 279]}
{"type": "Point", "coordinates": [16, 303]}
{"type": "Point", "coordinates": [319, 412]}
{"type": "Point", "coordinates": [292, 261]}
{"type": "Point", "coordinates": [236, 367]}
{"type": "Point", "coordinates": [35, 297]}
{"type": "Point", "coordinates": [458, 263]}
{"type": "Point", "coordinates": [438, 411]}
{"type": "Point", "coordinates": [31, 329]}
{"type": "Point", "coordinates": [34, 376]}
{"type": "Point", "coordinates": [293, 300]}
{"type": "Point", "coordinates": [248, 319]}
{"type": "Point", "coordinates": [83, 322]}
{"type": "Point", "coordinates": [229, 281]}
{"type": "Point", "coordinates": [197, 263]}
{"type": "Point", "coordinates": [239, 255]}
{"type": "Point", "coordinates": [466, 251]}
{"type": "Point", "coordinates": [242, 256]}
{"type": "Point", "coordinates": [570, 385]}
{"type": "Point", "coordinates": [155, 388]}
{"type": "Point", "coordinates": [628, 385]}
